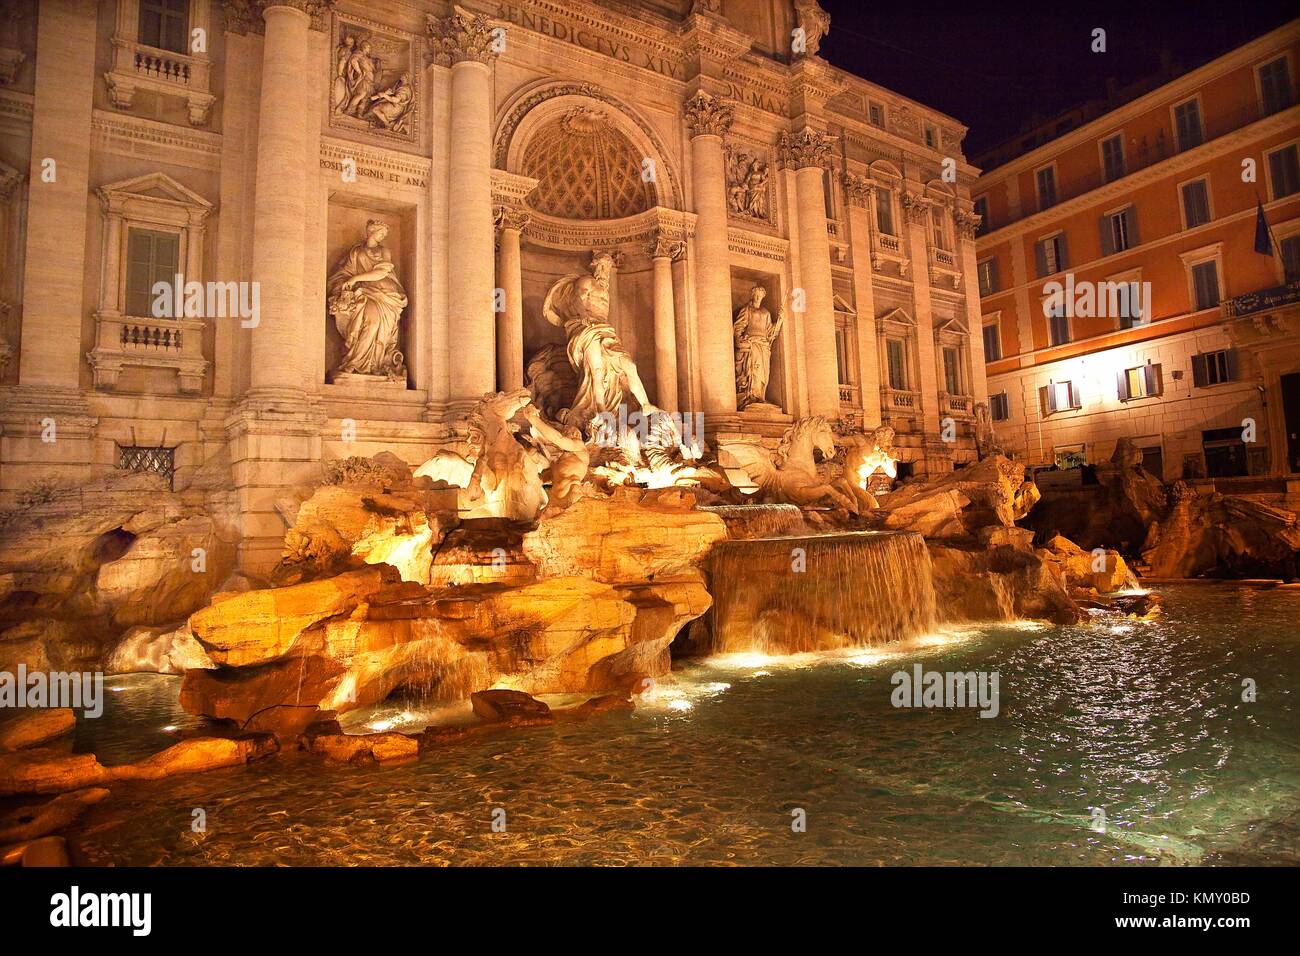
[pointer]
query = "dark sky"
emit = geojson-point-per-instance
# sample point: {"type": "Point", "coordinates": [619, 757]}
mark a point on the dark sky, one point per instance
{"type": "Point", "coordinates": [993, 65]}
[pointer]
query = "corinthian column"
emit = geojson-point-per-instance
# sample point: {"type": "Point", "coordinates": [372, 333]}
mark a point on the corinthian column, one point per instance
{"type": "Point", "coordinates": [467, 42]}
{"type": "Point", "coordinates": [808, 153]}
{"type": "Point", "coordinates": [663, 250]}
{"type": "Point", "coordinates": [279, 234]}
{"type": "Point", "coordinates": [708, 119]}
{"type": "Point", "coordinates": [510, 321]}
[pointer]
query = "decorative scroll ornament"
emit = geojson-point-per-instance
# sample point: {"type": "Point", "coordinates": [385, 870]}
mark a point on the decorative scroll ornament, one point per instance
{"type": "Point", "coordinates": [915, 208]}
{"type": "Point", "coordinates": [706, 115]}
{"type": "Point", "coordinates": [808, 147]}
{"type": "Point", "coordinates": [462, 36]}
{"type": "Point", "coordinates": [857, 190]}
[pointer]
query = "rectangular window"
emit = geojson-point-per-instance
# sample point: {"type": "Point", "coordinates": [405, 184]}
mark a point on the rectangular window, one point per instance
{"type": "Point", "coordinates": [1112, 157]}
{"type": "Point", "coordinates": [982, 210]}
{"type": "Point", "coordinates": [1274, 86]}
{"type": "Point", "coordinates": [992, 343]}
{"type": "Point", "coordinates": [987, 273]}
{"type": "Point", "coordinates": [998, 408]}
{"type": "Point", "coordinates": [842, 356]}
{"type": "Point", "coordinates": [876, 113]}
{"type": "Point", "coordinates": [897, 367]}
{"type": "Point", "coordinates": [952, 371]}
{"type": "Point", "coordinates": [1214, 368]}
{"type": "Point", "coordinates": [151, 257]}
{"type": "Point", "coordinates": [1051, 255]}
{"type": "Point", "coordinates": [1046, 180]}
{"type": "Point", "coordinates": [1142, 382]}
{"type": "Point", "coordinates": [1058, 327]}
{"type": "Point", "coordinates": [1070, 456]}
{"type": "Point", "coordinates": [148, 459]}
{"type": "Point", "coordinates": [1060, 396]}
{"type": "Point", "coordinates": [1205, 285]}
{"type": "Point", "coordinates": [1196, 203]}
{"type": "Point", "coordinates": [163, 24]}
{"type": "Point", "coordinates": [931, 137]}
{"type": "Point", "coordinates": [1118, 231]}
{"type": "Point", "coordinates": [937, 228]}
{"type": "Point", "coordinates": [1284, 171]}
{"type": "Point", "coordinates": [1290, 248]}
{"type": "Point", "coordinates": [884, 211]}
{"type": "Point", "coordinates": [1187, 125]}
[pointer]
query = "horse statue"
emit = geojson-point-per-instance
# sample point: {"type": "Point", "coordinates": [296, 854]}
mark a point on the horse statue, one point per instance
{"type": "Point", "coordinates": [790, 476]}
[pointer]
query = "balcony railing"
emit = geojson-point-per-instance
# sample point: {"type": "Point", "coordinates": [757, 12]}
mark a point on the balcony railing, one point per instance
{"type": "Point", "coordinates": [1262, 300]}
{"type": "Point", "coordinates": [957, 406]}
{"type": "Point", "coordinates": [849, 395]}
{"type": "Point", "coordinates": [900, 401]}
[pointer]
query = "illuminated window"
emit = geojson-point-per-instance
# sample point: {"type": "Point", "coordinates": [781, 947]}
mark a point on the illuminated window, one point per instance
{"type": "Point", "coordinates": [1060, 396]}
{"type": "Point", "coordinates": [1144, 381]}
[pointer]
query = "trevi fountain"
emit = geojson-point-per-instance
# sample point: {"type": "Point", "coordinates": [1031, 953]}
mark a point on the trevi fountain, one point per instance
{"type": "Point", "coordinates": [638, 645]}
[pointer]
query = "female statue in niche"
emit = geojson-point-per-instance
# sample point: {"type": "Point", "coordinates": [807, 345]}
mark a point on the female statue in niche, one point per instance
{"type": "Point", "coordinates": [755, 333]}
{"type": "Point", "coordinates": [366, 301]}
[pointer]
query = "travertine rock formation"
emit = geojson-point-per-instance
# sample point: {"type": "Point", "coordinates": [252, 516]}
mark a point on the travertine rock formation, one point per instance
{"type": "Point", "coordinates": [585, 600]}
{"type": "Point", "coordinates": [991, 492]}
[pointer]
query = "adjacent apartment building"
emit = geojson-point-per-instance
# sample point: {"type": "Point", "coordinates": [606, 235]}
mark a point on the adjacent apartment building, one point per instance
{"type": "Point", "coordinates": [1121, 287]}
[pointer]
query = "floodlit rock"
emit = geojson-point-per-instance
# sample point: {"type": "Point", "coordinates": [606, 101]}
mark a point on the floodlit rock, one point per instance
{"type": "Point", "coordinates": [45, 852]}
{"type": "Point", "coordinates": [33, 822]}
{"type": "Point", "coordinates": [158, 650]}
{"type": "Point", "coordinates": [41, 770]}
{"type": "Point", "coordinates": [1104, 571]}
{"type": "Point", "coordinates": [31, 728]}
{"type": "Point", "coordinates": [1225, 535]}
{"type": "Point", "coordinates": [1005, 583]}
{"type": "Point", "coordinates": [632, 537]}
{"type": "Point", "coordinates": [508, 705]}
{"type": "Point", "coordinates": [379, 748]}
{"type": "Point", "coordinates": [197, 754]}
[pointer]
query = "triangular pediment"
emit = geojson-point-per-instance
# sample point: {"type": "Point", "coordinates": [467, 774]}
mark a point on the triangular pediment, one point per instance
{"type": "Point", "coordinates": [899, 315]}
{"type": "Point", "coordinates": [156, 186]}
{"type": "Point", "coordinates": [954, 325]}
{"type": "Point", "coordinates": [842, 306]}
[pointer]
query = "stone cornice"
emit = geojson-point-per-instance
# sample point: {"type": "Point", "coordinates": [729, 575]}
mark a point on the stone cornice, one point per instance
{"type": "Point", "coordinates": [746, 242]}
{"type": "Point", "coordinates": [463, 37]}
{"type": "Point", "coordinates": [509, 189]}
{"type": "Point", "coordinates": [129, 135]}
{"type": "Point", "coordinates": [633, 233]}
{"type": "Point", "coordinates": [1175, 165]}
{"type": "Point", "coordinates": [647, 30]}
{"type": "Point", "coordinates": [335, 150]}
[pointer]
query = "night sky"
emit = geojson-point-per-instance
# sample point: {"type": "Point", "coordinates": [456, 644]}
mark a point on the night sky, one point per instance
{"type": "Point", "coordinates": [992, 66]}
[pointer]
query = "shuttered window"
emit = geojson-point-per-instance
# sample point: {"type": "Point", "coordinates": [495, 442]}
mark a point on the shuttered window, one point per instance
{"type": "Point", "coordinates": [1214, 368]}
{"type": "Point", "coordinates": [1274, 86]}
{"type": "Point", "coordinates": [1046, 180]}
{"type": "Point", "coordinates": [1284, 171]}
{"type": "Point", "coordinates": [1144, 381]}
{"type": "Point", "coordinates": [992, 343]}
{"type": "Point", "coordinates": [987, 272]}
{"type": "Point", "coordinates": [1112, 157]}
{"type": "Point", "coordinates": [1196, 203]}
{"type": "Point", "coordinates": [1119, 231]}
{"type": "Point", "coordinates": [1205, 285]}
{"type": "Point", "coordinates": [151, 257]}
{"type": "Point", "coordinates": [1187, 125]}
{"type": "Point", "coordinates": [884, 211]}
{"type": "Point", "coordinates": [897, 367]}
{"type": "Point", "coordinates": [998, 407]}
{"type": "Point", "coordinates": [1051, 255]}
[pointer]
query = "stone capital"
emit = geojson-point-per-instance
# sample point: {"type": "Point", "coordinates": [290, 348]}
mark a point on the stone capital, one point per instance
{"type": "Point", "coordinates": [967, 223]}
{"type": "Point", "coordinates": [706, 115]}
{"type": "Point", "coordinates": [857, 189]}
{"type": "Point", "coordinates": [462, 37]}
{"type": "Point", "coordinates": [915, 206]}
{"type": "Point", "coordinates": [665, 246]}
{"type": "Point", "coordinates": [248, 16]}
{"type": "Point", "coordinates": [808, 147]}
{"type": "Point", "coordinates": [508, 216]}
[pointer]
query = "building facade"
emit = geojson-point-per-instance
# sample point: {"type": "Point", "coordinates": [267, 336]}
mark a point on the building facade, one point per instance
{"type": "Point", "coordinates": [263, 153]}
{"type": "Point", "coordinates": [1122, 293]}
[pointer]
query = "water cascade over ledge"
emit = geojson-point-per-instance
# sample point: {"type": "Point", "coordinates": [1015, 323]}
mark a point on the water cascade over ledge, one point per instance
{"type": "Point", "coordinates": [789, 595]}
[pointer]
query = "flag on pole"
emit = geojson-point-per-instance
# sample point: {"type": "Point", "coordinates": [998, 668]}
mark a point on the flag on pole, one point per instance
{"type": "Point", "coordinates": [1263, 235]}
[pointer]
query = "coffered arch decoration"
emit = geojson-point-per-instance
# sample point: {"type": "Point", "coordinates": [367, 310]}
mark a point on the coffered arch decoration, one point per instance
{"type": "Point", "coordinates": [614, 142]}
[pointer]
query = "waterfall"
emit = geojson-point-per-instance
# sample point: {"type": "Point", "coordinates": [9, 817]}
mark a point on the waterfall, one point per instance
{"type": "Point", "coordinates": [819, 592]}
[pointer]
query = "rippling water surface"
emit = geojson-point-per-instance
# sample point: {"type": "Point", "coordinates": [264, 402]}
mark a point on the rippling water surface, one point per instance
{"type": "Point", "coordinates": [1143, 720]}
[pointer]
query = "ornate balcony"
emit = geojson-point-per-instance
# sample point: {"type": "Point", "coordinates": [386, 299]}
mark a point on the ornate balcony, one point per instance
{"type": "Point", "coordinates": [957, 406]}
{"type": "Point", "coordinates": [124, 341]}
{"type": "Point", "coordinates": [899, 402]}
{"type": "Point", "coordinates": [137, 65]}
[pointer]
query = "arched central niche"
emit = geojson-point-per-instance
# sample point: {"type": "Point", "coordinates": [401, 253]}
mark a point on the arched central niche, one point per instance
{"type": "Point", "coordinates": [603, 182]}
{"type": "Point", "coordinates": [586, 168]}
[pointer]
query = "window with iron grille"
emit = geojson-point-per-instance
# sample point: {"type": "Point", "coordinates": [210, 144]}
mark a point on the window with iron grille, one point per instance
{"type": "Point", "coordinates": [149, 459]}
